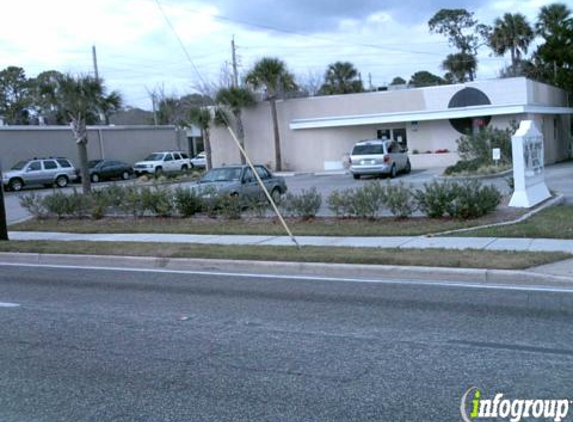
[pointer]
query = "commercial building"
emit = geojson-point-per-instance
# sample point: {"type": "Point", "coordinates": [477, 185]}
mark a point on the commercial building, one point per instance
{"type": "Point", "coordinates": [318, 133]}
{"type": "Point", "coordinates": [125, 143]}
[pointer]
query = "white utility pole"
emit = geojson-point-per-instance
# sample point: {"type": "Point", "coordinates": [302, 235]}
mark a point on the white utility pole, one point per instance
{"type": "Point", "coordinates": [94, 57]}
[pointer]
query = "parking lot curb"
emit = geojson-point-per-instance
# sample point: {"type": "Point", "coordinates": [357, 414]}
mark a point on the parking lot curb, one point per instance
{"type": "Point", "coordinates": [342, 272]}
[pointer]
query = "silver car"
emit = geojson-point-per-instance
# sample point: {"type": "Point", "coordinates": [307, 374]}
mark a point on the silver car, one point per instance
{"type": "Point", "coordinates": [379, 157]}
{"type": "Point", "coordinates": [239, 181]}
{"type": "Point", "coordinates": [51, 171]}
{"type": "Point", "coordinates": [199, 161]}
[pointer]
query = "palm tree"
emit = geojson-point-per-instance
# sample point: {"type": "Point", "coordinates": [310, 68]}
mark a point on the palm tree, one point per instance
{"type": "Point", "coordinates": [81, 99]}
{"type": "Point", "coordinates": [552, 20]}
{"type": "Point", "coordinates": [201, 117]}
{"type": "Point", "coordinates": [341, 78]}
{"type": "Point", "coordinates": [235, 99]}
{"type": "Point", "coordinates": [272, 75]}
{"type": "Point", "coordinates": [511, 33]}
{"type": "Point", "coordinates": [555, 25]}
{"type": "Point", "coordinates": [460, 67]}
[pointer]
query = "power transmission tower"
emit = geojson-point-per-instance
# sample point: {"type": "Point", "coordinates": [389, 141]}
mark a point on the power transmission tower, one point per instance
{"type": "Point", "coordinates": [234, 56]}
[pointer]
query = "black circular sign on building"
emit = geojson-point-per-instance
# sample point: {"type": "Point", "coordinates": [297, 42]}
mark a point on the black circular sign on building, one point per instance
{"type": "Point", "coordinates": [468, 97]}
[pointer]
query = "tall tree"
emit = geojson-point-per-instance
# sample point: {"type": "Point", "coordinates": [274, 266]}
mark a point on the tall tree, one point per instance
{"type": "Point", "coordinates": [465, 34]}
{"type": "Point", "coordinates": [398, 81]}
{"type": "Point", "coordinates": [341, 78]}
{"type": "Point", "coordinates": [14, 96]}
{"type": "Point", "coordinates": [202, 118]}
{"type": "Point", "coordinates": [424, 78]}
{"type": "Point", "coordinates": [554, 56]}
{"type": "Point", "coordinates": [43, 92]}
{"type": "Point", "coordinates": [81, 100]}
{"type": "Point", "coordinates": [511, 33]}
{"type": "Point", "coordinates": [272, 75]}
{"type": "Point", "coordinates": [235, 99]}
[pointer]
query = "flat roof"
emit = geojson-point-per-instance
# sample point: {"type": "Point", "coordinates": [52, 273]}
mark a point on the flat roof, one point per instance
{"type": "Point", "coordinates": [422, 115]}
{"type": "Point", "coordinates": [67, 127]}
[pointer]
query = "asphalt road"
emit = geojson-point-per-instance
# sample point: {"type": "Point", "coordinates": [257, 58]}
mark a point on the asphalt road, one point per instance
{"type": "Point", "coordinates": [100, 345]}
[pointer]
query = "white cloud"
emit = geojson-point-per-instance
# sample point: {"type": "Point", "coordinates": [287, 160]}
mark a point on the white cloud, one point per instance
{"type": "Point", "coordinates": [137, 50]}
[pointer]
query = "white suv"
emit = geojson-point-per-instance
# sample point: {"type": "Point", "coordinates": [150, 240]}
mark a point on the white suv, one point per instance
{"type": "Point", "coordinates": [163, 162]}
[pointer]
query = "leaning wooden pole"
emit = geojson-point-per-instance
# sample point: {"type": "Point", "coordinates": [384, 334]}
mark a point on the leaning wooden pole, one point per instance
{"type": "Point", "coordinates": [262, 185]}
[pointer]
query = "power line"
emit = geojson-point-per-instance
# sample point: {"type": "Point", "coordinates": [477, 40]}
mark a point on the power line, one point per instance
{"type": "Point", "coordinates": [292, 32]}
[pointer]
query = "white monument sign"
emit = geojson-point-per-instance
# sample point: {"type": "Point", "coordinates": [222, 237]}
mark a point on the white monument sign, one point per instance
{"type": "Point", "coordinates": [529, 182]}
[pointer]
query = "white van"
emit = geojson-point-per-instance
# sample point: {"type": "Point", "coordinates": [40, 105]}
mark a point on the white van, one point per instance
{"type": "Point", "coordinates": [378, 157]}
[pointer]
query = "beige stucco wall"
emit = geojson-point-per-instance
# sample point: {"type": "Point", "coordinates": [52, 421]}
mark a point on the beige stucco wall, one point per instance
{"type": "Point", "coordinates": [128, 144]}
{"type": "Point", "coordinates": [317, 149]}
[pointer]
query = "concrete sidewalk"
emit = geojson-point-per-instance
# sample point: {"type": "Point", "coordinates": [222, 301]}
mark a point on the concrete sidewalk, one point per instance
{"type": "Point", "coordinates": [406, 242]}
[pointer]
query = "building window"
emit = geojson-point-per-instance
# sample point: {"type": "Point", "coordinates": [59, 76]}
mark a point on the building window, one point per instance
{"type": "Point", "coordinates": [398, 135]}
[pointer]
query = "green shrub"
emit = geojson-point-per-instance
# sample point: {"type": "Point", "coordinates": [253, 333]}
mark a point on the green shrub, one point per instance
{"type": "Point", "coordinates": [434, 198]}
{"type": "Point", "coordinates": [478, 146]}
{"type": "Point", "coordinates": [157, 200]}
{"type": "Point", "coordinates": [57, 204]}
{"type": "Point", "coordinates": [210, 201]}
{"type": "Point", "coordinates": [341, 203]}
{"type": "Point", "coordinates": [131, 202]}
{"type": "Point", "coordinates": [463, 167]}
{"type": "Point", "coordinates": [304, 205]}
{"type": "Point", "coordinates": [98, 204]}
{"type": "Point", "coordinates": [230, 206]}
{"type": "Point", "coordinates": [400, 200]}
{"type": "Point", "coordinates": [78, 204]}
{"type": "Point", "coordinates": [187, 202]}
{"type": "Point", "coordinates": [259, 207]}
{"type": "Point", "coordinates": [369, 199]}
{"type": "Point", "coordinates": [472, 200]}
{"type": "Point", "coordinates": [114, 196]}
{"type": "Point", "coordinates": [34, 204]}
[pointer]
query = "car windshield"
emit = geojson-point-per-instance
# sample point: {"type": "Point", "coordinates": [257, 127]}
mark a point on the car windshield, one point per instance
{"type": "Point", "coordinates": [93, 163]}
{"type": "Point", "coordinates": [19, 166]}
{"type": "Point", "coordinates": [154, 157]}
{"type": "Point", "coordinates": [222, 175]}
{"type": "Point", "coordinates": [368, 149]}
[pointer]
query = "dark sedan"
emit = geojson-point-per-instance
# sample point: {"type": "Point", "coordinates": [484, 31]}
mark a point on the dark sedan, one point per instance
{"type": "Point", "coordinates": [239, 181]}
{"type": "Point", "coordinates": [109, 169]}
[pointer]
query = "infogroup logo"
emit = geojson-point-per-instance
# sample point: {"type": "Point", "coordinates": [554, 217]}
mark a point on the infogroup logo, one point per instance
{"type": "Point", "coordinates": [474, 407]}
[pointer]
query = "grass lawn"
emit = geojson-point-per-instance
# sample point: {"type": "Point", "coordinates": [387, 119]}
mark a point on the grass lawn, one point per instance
{"type": "Point", "coordinates": [552, 223]}
{"type": "Point", "coordinates": [416, 257]}
{"type": "Point", "coordinates": [321, 226]}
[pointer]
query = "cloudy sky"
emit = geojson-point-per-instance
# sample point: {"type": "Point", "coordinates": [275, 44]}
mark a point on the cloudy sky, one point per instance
{"type": "Point", "coordinates": [176, 45]}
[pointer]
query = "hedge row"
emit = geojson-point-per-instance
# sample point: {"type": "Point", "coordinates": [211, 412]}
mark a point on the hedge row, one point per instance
{"type": "Point", "coordinates": [463, 200]}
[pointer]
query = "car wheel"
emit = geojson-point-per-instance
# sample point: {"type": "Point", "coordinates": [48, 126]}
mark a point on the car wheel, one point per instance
{"type": "Point", "coordinates": [276, 195]}
{"type": "Point", "coordinates": [159, 170]}
{"type": "Point", "coordinates": [125, 175]}
{"type": "Point", "coordinates": [16, 185]}
{"type": "Point", "coordinates": [184, 168]}
{"type": "Point", "coordinates": [95, 178]}
{"type": "Point", "coordinates": [61, 181]}
{"type": "Point", "coordinates": [408, 168]}
{"type": "Point", "coordinates": [356, 176]}
{"type": "Point", "coordinates": [393, 171]}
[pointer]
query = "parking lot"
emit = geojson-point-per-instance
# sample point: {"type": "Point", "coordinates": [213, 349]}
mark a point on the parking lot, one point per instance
{"type": "Point", "coordinates": [325, 183]}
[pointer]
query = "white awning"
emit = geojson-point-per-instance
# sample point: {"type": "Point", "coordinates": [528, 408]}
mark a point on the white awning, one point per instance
{"type": "Point", "coordinates": [419, 116]}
